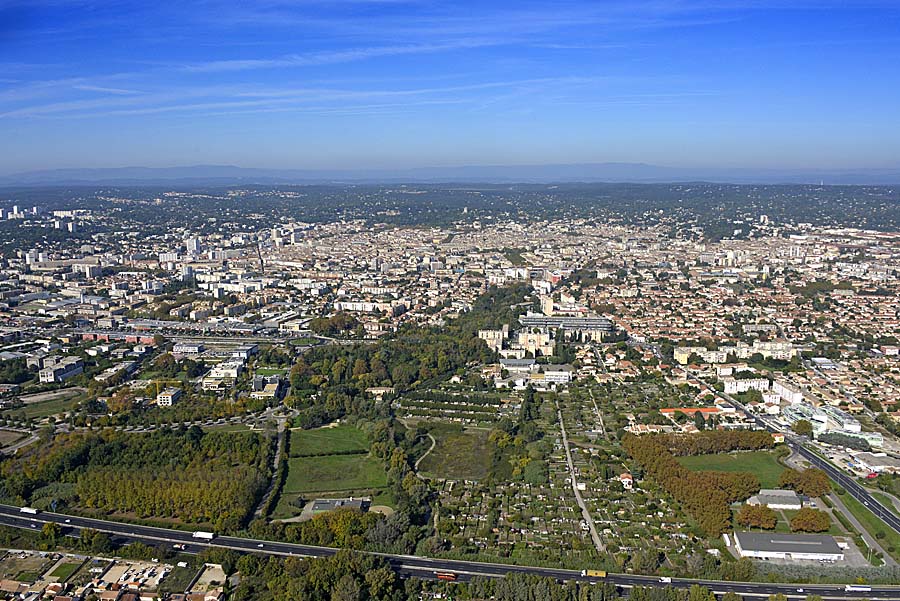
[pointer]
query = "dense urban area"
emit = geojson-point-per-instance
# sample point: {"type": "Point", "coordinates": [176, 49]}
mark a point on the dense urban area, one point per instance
{"type": "Point", "coordinates": [576, 392]}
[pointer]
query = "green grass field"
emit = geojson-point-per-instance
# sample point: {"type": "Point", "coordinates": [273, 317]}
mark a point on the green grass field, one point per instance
{"type": "Point", "coordinates": [327, 441]}
{"type": "Point", "coordinates": [886, 536]}
{"type": "Point", "coordinates": [270, 371]}
{"type": "Point", "coordinates": [334, 473]}
{"type": "Point", "coordinates": [46, 408]}
{"type": "Point", "coordinates": [762, 464]}
{"type": "Point", "coordinates": [63, 571]}
{"type": "Point", "coordinates": [460, 454]}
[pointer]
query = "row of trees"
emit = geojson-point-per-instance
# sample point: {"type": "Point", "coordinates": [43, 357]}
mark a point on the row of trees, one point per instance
{"type": "Point", "coordinates": [706, 496]}
{"type": "Point", "coordinates": [763, 517]}
{"type": "Point", "coordinates": [353, 577]}
{"type": "Point", "coordinates": [719, 441]}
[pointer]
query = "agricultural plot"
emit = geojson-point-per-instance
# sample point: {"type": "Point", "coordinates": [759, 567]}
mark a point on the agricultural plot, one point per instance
{"type": "Point", "coordinates": [632, 523]}
{"type": "Point", "coordinates": [517, 520]}
{"type": "Point", "coordinates": [461, 408]}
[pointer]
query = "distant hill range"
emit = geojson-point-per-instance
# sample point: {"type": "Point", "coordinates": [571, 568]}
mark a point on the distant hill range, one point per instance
{"type": "Point", "coordinates": [565, 173]}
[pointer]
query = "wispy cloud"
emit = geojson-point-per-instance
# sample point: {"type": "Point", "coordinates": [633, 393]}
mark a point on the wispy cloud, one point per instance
{"type": "Point", "coordinates": [105, 90]}
{"type": "Point", "coordinates": [246, 98]}
{"type": "Point", "coordinates": [333, 57]}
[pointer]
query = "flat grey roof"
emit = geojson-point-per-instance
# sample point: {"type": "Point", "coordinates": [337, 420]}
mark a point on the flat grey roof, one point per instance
{"type": "Point", "coordinates": [787, 543]}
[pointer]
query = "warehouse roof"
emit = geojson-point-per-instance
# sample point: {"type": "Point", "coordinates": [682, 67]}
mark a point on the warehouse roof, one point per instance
{"type": "Point", "coordinates": [787, 543]}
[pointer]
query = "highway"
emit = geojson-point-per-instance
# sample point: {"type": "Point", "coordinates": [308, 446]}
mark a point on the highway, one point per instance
{"type": "Point", "coordinates": [422, 567]}
{"type": "Point", "coordinates": [837, 475]}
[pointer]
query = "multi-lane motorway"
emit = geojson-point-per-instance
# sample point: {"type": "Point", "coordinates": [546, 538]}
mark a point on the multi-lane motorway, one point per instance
{"type": "Point", "coordinates": [837, 475]}
{"type": "Point", "coordinates": [423, 567]}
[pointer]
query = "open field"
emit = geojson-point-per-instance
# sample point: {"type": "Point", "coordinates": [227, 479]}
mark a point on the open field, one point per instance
{"type": "Point", "coordinates": [270, 371]}
{"type": "Point", "coordinates": [54, 406]}
{"type": "Point", "coordinates": [27, 568]}
{"type": "Point", "coordinates": [328, 441]}
{"type": "Point", "coordinates": [178, 580]}
{"type": "Point", "coordinates": [763, 464]}
{"type": "Point", "coordinates": [7, 437]}
{"type": "Point", "coordinates": [334, 473]}
{"type": "Point", "coordinates": [52, 395]}
{"type": "Point", "coordinates": [460, 453]}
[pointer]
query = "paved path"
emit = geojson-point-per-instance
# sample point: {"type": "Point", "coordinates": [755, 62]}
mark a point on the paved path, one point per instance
{"type": "Point", "coordinates": [584, 510]}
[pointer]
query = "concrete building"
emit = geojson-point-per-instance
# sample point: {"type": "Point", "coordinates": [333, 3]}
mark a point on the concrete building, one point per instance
{"type": "Point", "coordinates": [771, 545]}
{"type": "Point", "coordinates": [558, 374]}
{"type": "Point", "coordinates": [737, 386]}
{"type": "Point", "coordinates": [188, 348]}
{"type": "Point", "coordinates": [67, 367]}
{"type": "Point", "coordinates": [167, 397]}
{"type": "Point", "coordinates": [776, 499]}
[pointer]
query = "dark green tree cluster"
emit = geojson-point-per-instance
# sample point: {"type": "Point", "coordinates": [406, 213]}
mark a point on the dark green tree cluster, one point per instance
{"type": "Point", "coordinates": [346, 576]}
{"type": "Point", "coordinates": [843, 440]}
{"type": "Point", "coordinates": [14, 371]}
{"type": "Point", "coordinates": [336, 325]}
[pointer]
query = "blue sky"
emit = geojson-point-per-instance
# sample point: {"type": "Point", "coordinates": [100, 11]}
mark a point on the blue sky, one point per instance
{"type": "Point", "coordinates": [394, 83]}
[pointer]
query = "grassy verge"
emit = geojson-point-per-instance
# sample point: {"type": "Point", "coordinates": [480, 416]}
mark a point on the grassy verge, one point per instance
{"type": "Point", "coordinates": [886, 536]}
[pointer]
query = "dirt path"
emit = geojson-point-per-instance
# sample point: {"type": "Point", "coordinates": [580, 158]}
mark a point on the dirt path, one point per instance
{"type": "Point", "coordinates": [424, 455]}
{"type": "Point", "coordinates": [584, 510]}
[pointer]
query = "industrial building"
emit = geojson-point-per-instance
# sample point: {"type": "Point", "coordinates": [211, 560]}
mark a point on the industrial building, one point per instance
{"type": "Point", "coordinates": [772, 545]}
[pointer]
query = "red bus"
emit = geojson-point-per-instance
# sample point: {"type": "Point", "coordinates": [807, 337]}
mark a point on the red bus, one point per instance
{"type": "Point", "coordinates": [448, 576]}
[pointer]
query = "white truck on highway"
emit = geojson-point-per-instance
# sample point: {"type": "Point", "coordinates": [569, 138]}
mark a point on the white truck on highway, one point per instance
{"type": "Point", "coordinates": [30, 510]}
{"type": "Point", "coordinates": [204, 535]}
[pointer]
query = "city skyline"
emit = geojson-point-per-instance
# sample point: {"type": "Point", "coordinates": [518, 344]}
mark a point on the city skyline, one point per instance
{"type": "Point", "coordinates": [393, 85]}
